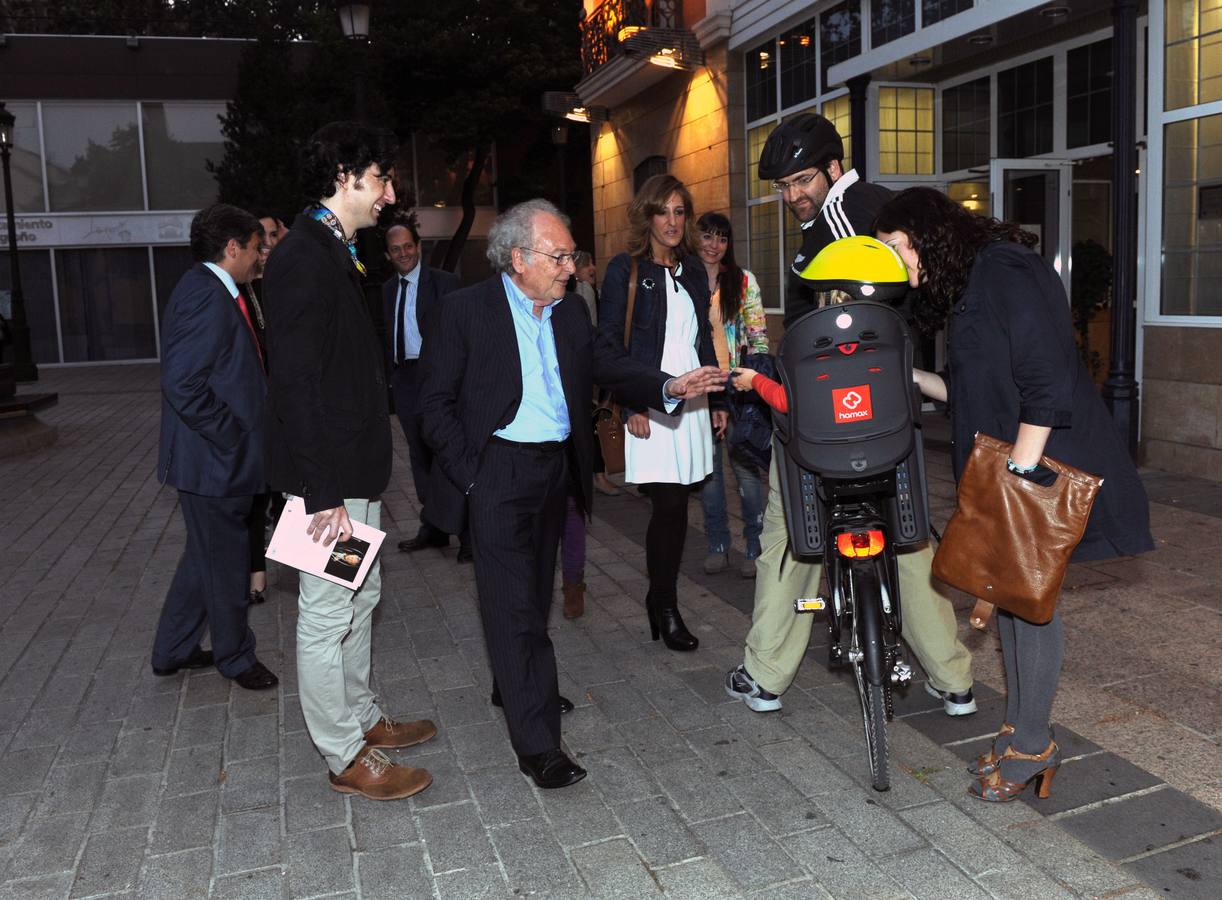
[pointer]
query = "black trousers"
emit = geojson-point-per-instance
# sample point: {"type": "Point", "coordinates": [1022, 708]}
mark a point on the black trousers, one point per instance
{"type": "Point", "coordinates": [405, 384]}
{"type": "Point", "coordinates": [210, 587]}
{"type": "Point", "coordinates": [516, 512]}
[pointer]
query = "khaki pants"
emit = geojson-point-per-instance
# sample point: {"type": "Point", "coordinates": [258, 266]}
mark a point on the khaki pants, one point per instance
{"type": "Point", "coordinates": [778, 637]}
{"type": "Point", "coordinates": [333, 650]}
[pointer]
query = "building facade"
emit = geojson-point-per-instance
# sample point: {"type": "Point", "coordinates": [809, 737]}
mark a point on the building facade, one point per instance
{"type": "Point", "coordinates": [1006, 105]}
{"type": "Point", "coordinates": [112, 140]}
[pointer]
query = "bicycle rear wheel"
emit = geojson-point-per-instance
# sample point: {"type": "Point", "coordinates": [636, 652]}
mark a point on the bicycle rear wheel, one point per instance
{"type": "Point", "coordinates": [867, 609]}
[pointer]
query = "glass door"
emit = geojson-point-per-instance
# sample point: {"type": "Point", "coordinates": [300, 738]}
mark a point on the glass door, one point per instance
{"type": "Point", "coordinates": [1037, 194]}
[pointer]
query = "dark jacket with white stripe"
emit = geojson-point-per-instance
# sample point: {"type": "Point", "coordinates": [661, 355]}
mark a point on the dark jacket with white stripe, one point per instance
{"type": "Point", "coordinates": [849, 209]}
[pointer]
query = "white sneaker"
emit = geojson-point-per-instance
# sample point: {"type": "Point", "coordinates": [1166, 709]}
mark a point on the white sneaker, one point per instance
{"type": "Point", "coordinates": [743, 687]}
{"type": "Point", "coordinates": [955, 704]}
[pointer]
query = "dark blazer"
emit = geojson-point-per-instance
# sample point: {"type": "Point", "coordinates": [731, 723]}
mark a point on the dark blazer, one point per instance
{"type": "Point", "coordinates": [648, 337]}
{"type": "Point", "coordinates": [1010, 337]}
{"type": "Point", "coordinates": [434, 284]}
{"type": "Point", "coordinates": [473, 387]}
{"type": "Point", "coordinates": [328, 432]}
{"type": "Point", "coordinates": [213, 392]}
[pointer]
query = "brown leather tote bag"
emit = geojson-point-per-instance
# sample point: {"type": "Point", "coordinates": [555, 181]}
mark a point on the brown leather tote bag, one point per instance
{"type": "Point", "coordinates": [1010, 539]}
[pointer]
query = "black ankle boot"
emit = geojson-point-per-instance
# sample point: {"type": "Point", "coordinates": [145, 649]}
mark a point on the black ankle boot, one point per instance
{"type": "Point", "coordinates": [665, 621]}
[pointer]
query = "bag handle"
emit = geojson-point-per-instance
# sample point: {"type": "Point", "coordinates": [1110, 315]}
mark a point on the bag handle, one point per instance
{"type": "Point", "coordinates": [631, 301]}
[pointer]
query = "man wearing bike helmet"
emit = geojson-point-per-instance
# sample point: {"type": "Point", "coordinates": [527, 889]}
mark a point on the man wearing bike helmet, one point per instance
{"type": "Point", "coordinates": [777, 641]}
{"type": "Point", "coordinates": [804, 160]}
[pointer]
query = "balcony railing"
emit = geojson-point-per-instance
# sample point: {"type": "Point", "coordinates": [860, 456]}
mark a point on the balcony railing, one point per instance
{"type": "Point", "coordinates": [601, 31]}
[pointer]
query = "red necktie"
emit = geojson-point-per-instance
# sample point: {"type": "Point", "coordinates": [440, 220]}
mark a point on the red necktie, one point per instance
{"type": "Point", "coordinates": [251, 325]}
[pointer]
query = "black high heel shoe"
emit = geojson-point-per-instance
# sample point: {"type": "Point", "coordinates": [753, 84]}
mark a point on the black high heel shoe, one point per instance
{"type": "Point", "coordinates": [665, 622]}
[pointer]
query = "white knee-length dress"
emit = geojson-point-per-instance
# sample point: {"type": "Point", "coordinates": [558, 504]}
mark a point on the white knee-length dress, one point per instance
{"type": "Point", "coordinates": [679, 449]}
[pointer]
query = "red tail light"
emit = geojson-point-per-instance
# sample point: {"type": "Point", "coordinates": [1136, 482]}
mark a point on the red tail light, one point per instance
{"type": "Point", "coordinates": [860, 544]}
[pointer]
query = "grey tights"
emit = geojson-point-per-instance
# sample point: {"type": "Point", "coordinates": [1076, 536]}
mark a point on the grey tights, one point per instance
{"type": "Point", "coordinates": [1032, 657]}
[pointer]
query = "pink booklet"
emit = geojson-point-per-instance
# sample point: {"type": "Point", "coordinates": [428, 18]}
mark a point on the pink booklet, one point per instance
{"type": "Point", "coordinates": [343, 562]}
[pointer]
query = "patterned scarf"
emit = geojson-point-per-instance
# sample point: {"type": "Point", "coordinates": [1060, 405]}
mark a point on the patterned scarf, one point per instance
{"type": "Point", "coordinates": [321, 214]}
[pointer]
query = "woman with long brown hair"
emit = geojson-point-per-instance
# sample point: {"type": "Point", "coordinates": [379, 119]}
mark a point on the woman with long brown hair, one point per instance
{"type": "Point", "coordinates": [1014, 373]}
{"type": "Point", "coordinates": [669, 328]}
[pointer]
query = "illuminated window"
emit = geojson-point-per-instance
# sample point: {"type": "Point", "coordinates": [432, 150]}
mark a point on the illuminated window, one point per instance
{"type": "Point", "coordinates": [761, 67]}
{"type": "Point", "coordinates": [971, 195]}
{"type": "Point", "coordinates": [905, 131]}
{"type": "Point", "coordinates": [839, 34]}
{"type": "Point", "coordinates": [765, 247]}
{"type": "Point", "coordinates": [1194, 52]}
{"type": "Point", "coordinates": [799, 74]}
{"type": "Point", "coordinates": [1192, 217]}
{"type": "Point", "coordinates": [756, 138]}
{"type": "Point", "coordinates": [891, 19]}
{"type": "Point", "coordinates": [965, 125]}
{"type": "Point", "coordinates": [837, 112]}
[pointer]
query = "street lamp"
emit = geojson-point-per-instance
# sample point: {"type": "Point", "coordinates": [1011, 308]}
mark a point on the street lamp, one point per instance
{"type": "Point", "coordinates": [354, 20]}
{"type": "Point", "coordinates": [23, 360]}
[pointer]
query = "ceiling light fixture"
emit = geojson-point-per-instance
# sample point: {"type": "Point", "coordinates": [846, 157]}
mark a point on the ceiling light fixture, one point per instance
{"type": "Point", "coordinates": [1055, 12]}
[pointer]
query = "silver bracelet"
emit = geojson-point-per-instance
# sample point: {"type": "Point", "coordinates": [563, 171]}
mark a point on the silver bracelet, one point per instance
{"type": "Point", "coordinates": [1020, 470]}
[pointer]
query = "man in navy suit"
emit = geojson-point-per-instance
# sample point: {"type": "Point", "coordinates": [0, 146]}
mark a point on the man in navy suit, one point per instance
{"type": "Point", "coordinates": [411, 300]}
{"type": "Point", "coordinates": [213, 390]}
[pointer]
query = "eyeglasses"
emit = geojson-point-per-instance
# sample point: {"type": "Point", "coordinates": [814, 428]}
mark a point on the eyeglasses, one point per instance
{"type": "Point", "coordinates": [800, 182]}
{"type": "Point", "coordinates": [560, 259]}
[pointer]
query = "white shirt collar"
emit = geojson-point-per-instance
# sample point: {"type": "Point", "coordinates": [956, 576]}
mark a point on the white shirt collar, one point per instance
{"type": "Point", "coordinates": [226, 278]}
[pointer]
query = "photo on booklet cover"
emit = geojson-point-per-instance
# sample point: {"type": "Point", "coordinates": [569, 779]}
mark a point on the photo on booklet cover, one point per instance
{"type": "Point", "coordinates": [346, 557]}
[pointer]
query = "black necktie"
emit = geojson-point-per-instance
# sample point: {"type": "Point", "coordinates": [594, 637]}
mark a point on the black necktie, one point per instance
{"type": "Point", "coordinates": [400, 325]}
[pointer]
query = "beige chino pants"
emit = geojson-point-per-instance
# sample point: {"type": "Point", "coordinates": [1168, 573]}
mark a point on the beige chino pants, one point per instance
{"type": "Point", "coordinates": [333, 655]}
{"type": "Point", "coordinates": [779, 636]}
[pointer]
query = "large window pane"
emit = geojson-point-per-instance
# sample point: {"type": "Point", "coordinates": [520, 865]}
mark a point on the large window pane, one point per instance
{"type": "Point", "coordinates": [937, 10]}
{"type": "Point", "coordinates": [39, 303]}
{"type": "Point", "coordinates": [105, 304]}
{"type": "Point", "coordinates": [965, 125]}
{"type": "Point", "coordinates": [93, 156]}
{"type": "Point", "coordinates": [839, 35]}
{"type": "Point", "coordinates": [756, 138]}
{"type": "Point", "coordinates": [1192, 218]}
{"type": "Point", "coordinates": [799, 75]}
{"type": "Point", "coordinates": [837, 112]}
{"type": "Point", "coordinates": [179, 140]}
{"type": "Point", "coordinates": [905, 131]}
{"type": "Point", "coordinates": [25, 164]}
{"type": "Point", "coordinates": [1194, 52]}
{"type": "Point", "coordinates": [760, 67]}
{"type": "Point", "coordinates": [169, 265]}
{"type": "Point", "coordinates": [1024, 110]}
{"type": "Point", "coordinates": [764, 246]}
{"type": "Point", "coordinates": [1088, 101]}
{"type": "Point", "coordinates": [891, 19]}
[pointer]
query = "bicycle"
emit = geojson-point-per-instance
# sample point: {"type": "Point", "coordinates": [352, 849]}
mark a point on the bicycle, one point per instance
{"type": "Point", "coordinates": [852, 473]}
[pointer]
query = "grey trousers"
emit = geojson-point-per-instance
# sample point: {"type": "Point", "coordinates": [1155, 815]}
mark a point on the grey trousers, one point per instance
{"type": "Point", "coordinates": [333, 655]}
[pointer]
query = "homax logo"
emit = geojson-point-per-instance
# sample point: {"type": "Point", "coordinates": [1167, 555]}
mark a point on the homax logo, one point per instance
{"type": "Point", "coordinates": [852, 404]}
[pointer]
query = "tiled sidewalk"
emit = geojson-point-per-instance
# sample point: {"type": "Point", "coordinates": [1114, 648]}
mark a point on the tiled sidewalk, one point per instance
{"type": "Point", "coordinates": [120, 783]}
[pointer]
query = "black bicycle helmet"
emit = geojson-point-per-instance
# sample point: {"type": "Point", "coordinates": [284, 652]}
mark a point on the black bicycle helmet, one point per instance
{"type": "Point", "coordinates": [806, 141]}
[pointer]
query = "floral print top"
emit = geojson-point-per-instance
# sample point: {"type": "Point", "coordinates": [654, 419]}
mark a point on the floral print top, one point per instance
{"type": "Point", "coordinates": [748, 332]}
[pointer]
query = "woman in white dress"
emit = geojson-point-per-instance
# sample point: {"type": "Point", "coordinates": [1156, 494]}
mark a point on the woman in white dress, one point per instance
{"type": "Point", "coordinates": [665, 455]}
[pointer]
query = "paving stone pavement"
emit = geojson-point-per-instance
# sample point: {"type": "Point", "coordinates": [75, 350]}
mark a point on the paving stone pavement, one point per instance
{"type": "Point", "coordinates": [124, 784]}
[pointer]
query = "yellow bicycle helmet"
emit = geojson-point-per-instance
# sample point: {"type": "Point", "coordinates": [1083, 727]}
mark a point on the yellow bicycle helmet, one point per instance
{"type": "Point", "coordinates": [863, 267]}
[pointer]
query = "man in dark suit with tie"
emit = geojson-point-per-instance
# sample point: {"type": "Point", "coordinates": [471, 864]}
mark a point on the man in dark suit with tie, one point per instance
{"type": "Point", "coordinates": [509, 372]}
{"type": "Point", "coordinates": [411, 300]}
{"type": "Point", "coordinates": [213, 390]}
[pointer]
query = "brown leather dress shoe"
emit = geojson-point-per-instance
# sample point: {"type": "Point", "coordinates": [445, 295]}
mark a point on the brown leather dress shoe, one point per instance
{"type": "Point", "coordinates": [386, 732]}
{"type": "Point", "coordinates": [373, 775]}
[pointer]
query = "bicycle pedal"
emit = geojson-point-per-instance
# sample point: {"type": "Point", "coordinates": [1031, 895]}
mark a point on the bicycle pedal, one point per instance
{"type": "Point", "coordinates": [901, 673]}
{"type": "Point", "coordinates": [809, 604]}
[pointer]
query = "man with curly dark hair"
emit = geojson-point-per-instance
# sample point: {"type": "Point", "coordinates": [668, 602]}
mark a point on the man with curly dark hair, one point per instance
{"type": "Point", "coordinates": [328, 434]}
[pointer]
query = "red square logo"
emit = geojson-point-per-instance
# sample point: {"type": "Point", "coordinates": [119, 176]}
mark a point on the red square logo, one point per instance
{"type": "Point", "coordinates": [852, 404]}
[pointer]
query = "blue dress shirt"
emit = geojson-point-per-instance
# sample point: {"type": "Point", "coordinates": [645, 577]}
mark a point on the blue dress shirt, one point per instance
{"type": "Point", "coordinates": [405, 315]}
{"type": "Point", "coordinates": [543, 414]}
